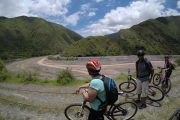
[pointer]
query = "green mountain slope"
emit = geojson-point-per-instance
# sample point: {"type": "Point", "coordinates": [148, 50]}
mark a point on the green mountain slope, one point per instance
{"type": "Point", "coordinates": [30, 36]}
{"type": "Point", "coordinates": [156, 36]}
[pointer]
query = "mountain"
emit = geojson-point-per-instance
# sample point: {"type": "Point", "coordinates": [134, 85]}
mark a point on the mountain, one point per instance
{"type": "Point", "coordinates": [155, 36]}
{"type": "Point", "coordinates": [30, 36]}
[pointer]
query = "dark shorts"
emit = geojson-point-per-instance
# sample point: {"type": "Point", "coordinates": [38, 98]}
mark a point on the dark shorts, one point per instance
{"type": "Point", "coordinates": [96, 115]}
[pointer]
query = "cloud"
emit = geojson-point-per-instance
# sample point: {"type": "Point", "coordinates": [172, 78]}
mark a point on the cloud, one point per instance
{"type": "Point", "coordinates": [12, 8]}
{"type": "Point", "coordinates": [91, 14]}
{"type": "Point", "coordinates": [41, 8]}
{"type": "Point", "coordinates": [99, 1]}
{"type": "Point", "coordinates": [49, 7]}
{"type": "Point", "coordinates": [178, 4]}
{"type": "Point", "coordinates": [125, 17]}
{"type": "Point", "coordinates": [72, 19]}
{"type": "Point", "coordinates": [84, 11]}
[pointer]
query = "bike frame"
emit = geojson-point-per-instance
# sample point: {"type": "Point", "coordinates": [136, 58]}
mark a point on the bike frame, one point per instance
{"type": "Point", "coordinates": [108, 114]}
{"type": "Point", "coordinates": [162, 76]}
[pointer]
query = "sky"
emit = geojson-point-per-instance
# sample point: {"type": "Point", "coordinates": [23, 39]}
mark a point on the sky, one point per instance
{"type": "Point", "coordinates": [91, 17]}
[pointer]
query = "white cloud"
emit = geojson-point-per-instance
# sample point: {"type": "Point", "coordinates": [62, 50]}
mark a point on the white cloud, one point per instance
{"type": "Point", "coordinates": [41, 8]}
{"type": "Point", "coordinates": [72, 19]}
{"type": "Point", "coordinates": [125, 17]}
{"type": "Point", "coordinates": [49, 7]}
{"type": "Point", "coordinates": [99, 1]}
{"type": "Point", "coordinates": [12, 8]}
{"type": "Point", "coordinates": [91, 14]}
{"type": "Point", "coordinates": [85, 10]}
{"type": "Point", "coordinates": [178, 4]}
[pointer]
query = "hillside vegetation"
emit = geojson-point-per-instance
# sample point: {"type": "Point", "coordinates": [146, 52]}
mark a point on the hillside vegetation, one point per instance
{"type": "Point", "coordinates": [156, 36]}
{"type": "Point", "coordinates": [30, 36]}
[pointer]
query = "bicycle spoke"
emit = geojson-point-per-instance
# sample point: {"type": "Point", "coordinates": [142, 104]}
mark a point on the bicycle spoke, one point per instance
{"type": "Point", "coordinates": [127, 87]}
{"type": "Point", "coordinates": [75, 112]}
{"type": "Point", "coordinates": [156, 79]}
{"type": "Point", "coordinates": [166, 87]}
{"type": "Point", "coordinates": [155, 94]}
{"type": "Point", "coordinates": [124, 111]}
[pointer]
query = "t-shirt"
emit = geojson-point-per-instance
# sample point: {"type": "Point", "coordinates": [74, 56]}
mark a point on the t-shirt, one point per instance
{"type": "Point", "coordinates": [143, 70]}
{"type": "Point", "coordinates": [98, 85]}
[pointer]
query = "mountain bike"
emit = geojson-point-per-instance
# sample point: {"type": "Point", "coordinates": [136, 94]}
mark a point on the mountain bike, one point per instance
{"type": "Point", "coordinates": [154, 94]}
{"type": "Point", "coordinates": [159, 79]}
{"type": "Point", "coordinates": [175, 115]}
{"type": "Point", "coordinates": [122, 111]}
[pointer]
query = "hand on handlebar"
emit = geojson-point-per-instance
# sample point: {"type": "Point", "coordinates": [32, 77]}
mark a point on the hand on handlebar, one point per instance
{"type": "Point", "coordinates": [81, 90]}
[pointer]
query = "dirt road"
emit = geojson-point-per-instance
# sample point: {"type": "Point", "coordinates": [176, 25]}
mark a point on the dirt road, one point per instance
{"type": "Point", "coordinates": [111, 66]}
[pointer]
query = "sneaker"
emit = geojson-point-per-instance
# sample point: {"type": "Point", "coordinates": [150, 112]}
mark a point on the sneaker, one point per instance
{"type": "Point", "coordinates": [142, 106]}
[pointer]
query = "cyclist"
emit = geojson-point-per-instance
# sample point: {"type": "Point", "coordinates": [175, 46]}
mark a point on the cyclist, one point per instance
{"type": "Point", "coordinates": [96, 90]}
{"type": "Point", "coordinates": [169, 67]}
{"type": "Point", "coordinates": [144, 73]}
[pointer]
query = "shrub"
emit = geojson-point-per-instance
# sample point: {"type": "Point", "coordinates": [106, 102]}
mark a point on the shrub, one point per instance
{"type": "Point", "coordinates": [29, 76]}
{"type": "Point", "coordinates": [2, 66]}
{"type": "Point", "coordinates": [4, 74]}
{"type": "Point", "coordinates": [177, 61]}
{"type": "Point", "coordinates": [65, 77]}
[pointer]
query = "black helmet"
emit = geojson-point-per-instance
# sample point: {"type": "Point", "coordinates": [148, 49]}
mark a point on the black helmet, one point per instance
{"type": "Point", "coordinates": [140, 53]}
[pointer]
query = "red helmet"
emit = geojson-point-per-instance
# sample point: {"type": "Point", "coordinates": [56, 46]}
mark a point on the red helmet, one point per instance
{"type": "Point", "coordinates": [93, 65]}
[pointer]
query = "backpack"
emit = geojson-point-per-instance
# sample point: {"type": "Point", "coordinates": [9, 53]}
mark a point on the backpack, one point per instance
{"type": "Point", "coordinates": [173, 66]}
{"type": "Point", "coordinates": [147, 64]}
{"type": "Point", "coordinates": [111, 91]}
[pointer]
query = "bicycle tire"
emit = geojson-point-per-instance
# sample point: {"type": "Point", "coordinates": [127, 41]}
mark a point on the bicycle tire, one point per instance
{"type": "Point", "coordinates": [127, 89]}
{"type": "Point", "coordinates": [156, 79]}
{"type": "Point", "coordinates": [175, 115]}
{"type": "Point", "coordinates": [78, 106]}
{"type": "Point", "coordinates": [122, 110]}
{"type": "Point", "coordinates": [166, 89]}
{"type": "Point", "coordinates": [133, 81]}
{"type": "Point", "coordinates": [155, 94]}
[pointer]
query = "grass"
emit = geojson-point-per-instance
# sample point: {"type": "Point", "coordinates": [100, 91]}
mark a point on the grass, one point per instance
{"type": "Point", "coordinates": [177, 61]}
{"type": "Point", "coordinates": [123, 77]}
{"type": "Point", "coordinates": [44, 82]}
{"type": "Point", "coordinates": [64, 78]}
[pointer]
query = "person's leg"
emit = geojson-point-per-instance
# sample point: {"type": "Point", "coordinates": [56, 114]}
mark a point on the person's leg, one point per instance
{"type": "Point", "coordinates": [96, 115]}
{"type": "Point", "coordinates": [139, 90]}
{"type": "Point", "coordinates": [144, 93]}
{"type": "Point", "coordinates": [168, 74]}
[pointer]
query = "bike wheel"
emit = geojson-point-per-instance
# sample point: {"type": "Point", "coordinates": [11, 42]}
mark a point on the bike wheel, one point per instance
{"type": "Point", "coordinates": [156, 79]}
{"type": "Point", "coordinates": [127, 87]}
{"type": "Point", "coordinates": [124, 111]}
{"type": "Point", "coordinates": [76, 112]}
{"type": "Point", "coordinates": [166, 87]}
{"type": "Point", "coordinates": [155, 93]}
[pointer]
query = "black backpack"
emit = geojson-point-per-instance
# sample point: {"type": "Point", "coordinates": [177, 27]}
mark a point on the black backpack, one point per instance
{"type": "Point", "coordinates": [147, 64]}
{"type": "Point", "coordinates": [111, 91]}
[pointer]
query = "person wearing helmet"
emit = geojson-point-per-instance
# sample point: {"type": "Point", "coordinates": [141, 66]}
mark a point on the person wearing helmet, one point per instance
{"type": "Point", "coordinates": [144, 74]}
{"type": "Point", "coordinates": [169, 67]}
{"type": "Point", "coordinates": [95, 90]}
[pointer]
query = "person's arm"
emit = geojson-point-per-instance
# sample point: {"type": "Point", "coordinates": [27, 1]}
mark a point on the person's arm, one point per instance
{"type": "Point", "coordinates": [83, 87]}
{"type": "Point", "coordinates": [136, 65]}
{"type": "Point", "coordinates": [90, 95]}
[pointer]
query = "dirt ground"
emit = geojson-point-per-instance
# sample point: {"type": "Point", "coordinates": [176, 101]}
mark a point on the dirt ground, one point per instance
{"type": "Point", "coordinates": [42, 102]}
{"type": "Point", "coordinates": [111, 66]}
